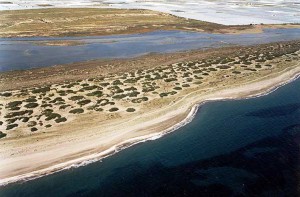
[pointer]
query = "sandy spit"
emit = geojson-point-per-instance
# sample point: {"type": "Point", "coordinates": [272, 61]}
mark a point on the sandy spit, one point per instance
{"type": "Point", "coordinates": [249, 90]}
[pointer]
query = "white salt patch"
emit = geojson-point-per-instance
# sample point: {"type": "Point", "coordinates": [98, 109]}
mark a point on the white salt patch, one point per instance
{"type": "Point", "coordinates": [228, 12]}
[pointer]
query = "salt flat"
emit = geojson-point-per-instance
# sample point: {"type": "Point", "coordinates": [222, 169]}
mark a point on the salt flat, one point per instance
{"type": "Point", "coordinates": [228, 12]}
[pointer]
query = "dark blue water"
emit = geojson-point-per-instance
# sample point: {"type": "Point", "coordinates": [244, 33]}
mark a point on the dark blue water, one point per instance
{"type": "Point", "coordinates": [22, 53]}
{"type": "Point", "coordinates": [232, 148]}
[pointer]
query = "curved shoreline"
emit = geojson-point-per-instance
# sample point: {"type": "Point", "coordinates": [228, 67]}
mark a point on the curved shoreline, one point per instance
{"type": "Point", "coordinates": [82, 161]}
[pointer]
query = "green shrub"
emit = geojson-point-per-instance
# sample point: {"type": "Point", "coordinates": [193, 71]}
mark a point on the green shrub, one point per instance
{"type": "Point", "coordinates": [15, 108]}
{"type": "Point", "coordinates": [47, 111]}
{"type": "Point", "coordinates": [197, 71]}
{"type": "Point", "coordinates": [189, 79]}
{"type": "Point", "coordinates": [130, 110]}
{"type": "Point", "coordinates": [89, 88]}
{"type": "Point", "coordinates": [62, 93]}
{"type": "Point", "coordinates": [133, 94]}
{"type": "Point", "coordinates": [198, 82]}
{"type": "Point", "coordinates": [31, 123]}
{"type": "Point", "coordinates": [83, 102]}
{"type": "Point", "coordinates": [13, 104]}
{"type": "Point", "coordinates": [197, 77]}
{"type": "Point", "coordinates": [31, 105]}
{"type": "Point", "coordinates": [33, 129]}
{"type": "Point", "coordinates": [70, 91]}
{"type": "Point", "coordinates": [130, 80]}
{"type": "Point", "coordinates": [223, 67]}
{"type": "Point", "coordinates": [257, 66]}
{"type": "Point", "coordinates": [6, 94]}
{"type": "Point", "coordinates": [185, 85]}
{"type": "Point", "coordinates": [117, 82]}
{"type": "Point", "coordinates": [84, 84]}
{"type": "Point", "coordinates": [11, 126]}
{"type": "Point", "coordinates": [119, 96]}
{"type": "Point", "coordinates": [251, 69]}
{"type": "Point", "coordinates": [75, 98]}
{"type": "Point", "coordinates": [19, 113]}
{"type": "Point", "coordinates": [103, 102]}
{"type": "Point", "coordinates": [2, 134]}
{"type": "Point", "coordinates": [148, 89]}
{"type": "Point", "coordinates": [170, 79]}
{"type": "Point", "coordinates": [98, 109]}
{"type": "Point", "coordinates": [163, 94]}
{"type": "Point", "coordinates": [95, 93]}
{"type": "Point", "coordinates": [236, 72]}
{"type": "Point", "coordinates": [1, 123]}
{"type": "Point", "coordinates": [130, 89]}
{"type": "Point", "coordinates": [25, 119]}
{"type": "Point", "coordinates": [48, 125]}
{"type": "Point", "coordinates": [139, 100]}
{"type": "Point", "coordinates": [41, 90]}
{"type": "Point", "coordinates": [59, 120]}
{"type": "Point", "coordinates": [64, 106]}
{"type": "Point", "coordinates": [12, 120]}
{"type": "Point", "coordinates": [46, 105]}
{"type": "Point", "coordinates": [104, 84]}
{"type": "Point", "coordinates": [57, 99]}
{"type": "Point", "coordinates": [113, 109]}
{"type": "Point", "coordinates": [51, 116]}
{"type": "Point", "coordinates": [76, 111]}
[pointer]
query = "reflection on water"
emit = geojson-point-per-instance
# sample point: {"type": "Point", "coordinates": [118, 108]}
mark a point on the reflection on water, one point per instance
{"type": "Point", "coordinates": [24, 53]}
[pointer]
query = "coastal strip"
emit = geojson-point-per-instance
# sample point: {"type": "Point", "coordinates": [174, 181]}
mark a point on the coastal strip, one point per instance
{"type": "Point", "coordinates": [265, 87]}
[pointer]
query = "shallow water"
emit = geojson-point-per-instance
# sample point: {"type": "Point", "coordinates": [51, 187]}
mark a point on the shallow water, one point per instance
{"type": "Point", "coordinates": [239, 147]}
{"type": "Point", "coordinates": [23, 53]}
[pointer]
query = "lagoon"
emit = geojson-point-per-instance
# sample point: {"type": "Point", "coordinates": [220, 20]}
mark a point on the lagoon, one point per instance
{"type": "Point", "coordinates": [27, 53]}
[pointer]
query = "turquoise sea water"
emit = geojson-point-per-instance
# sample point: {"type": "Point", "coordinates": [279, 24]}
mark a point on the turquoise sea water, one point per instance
{"type": "Point", "coordinates": [23, 53]}
{"type": "Point", "coordinates": [231, 148]}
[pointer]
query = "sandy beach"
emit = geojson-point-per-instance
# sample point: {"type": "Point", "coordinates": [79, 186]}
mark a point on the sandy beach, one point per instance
{"type": "Point", "coordinates": [90, 138]}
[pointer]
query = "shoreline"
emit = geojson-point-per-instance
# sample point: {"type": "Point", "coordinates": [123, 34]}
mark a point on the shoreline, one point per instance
{"type": "Point", "coordinates": [192, 110]}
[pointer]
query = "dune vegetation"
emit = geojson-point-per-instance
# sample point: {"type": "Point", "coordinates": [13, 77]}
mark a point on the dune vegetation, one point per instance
{"type": "Point", "coordinates": [36, 109]}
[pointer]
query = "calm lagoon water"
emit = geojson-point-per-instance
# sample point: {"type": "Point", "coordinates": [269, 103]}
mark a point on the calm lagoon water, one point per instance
{"type": "Point", "coordinates": [24, 53]}
{"type": "Point", "coordinates": [232, 148]}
